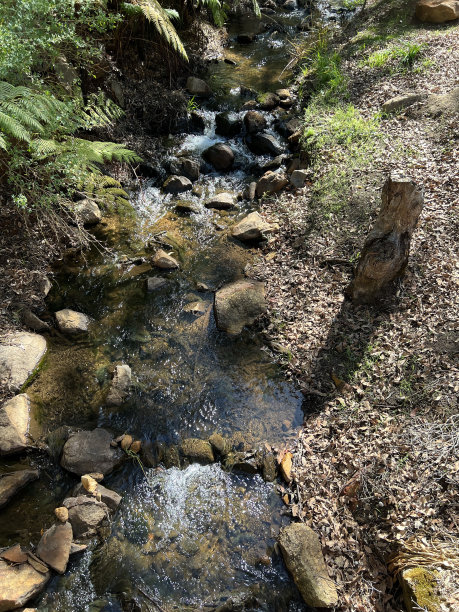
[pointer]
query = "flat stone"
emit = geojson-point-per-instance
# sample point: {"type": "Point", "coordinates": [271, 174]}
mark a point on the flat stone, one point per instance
{"type": "Point", "coordinates": [239, 304]}
{"type": "Point", "coordinates": [14, 554]}
{"type": "Point", "coordinates": [221, 201]}
{"type": "Point", "coordinates": [90, 451]}
{"type": "Point", "coordinates": [14, 424]}
{"type": "Point", "coordinates": [303, 557]}
{"type": "Point", "coordinates": [110, 498]}
{"type": "Point", "coordinates": [437, 11]}
{"type": "Point", "coordinates": [164, 261]}
{"type": "Point", "coordinates": [198, 87]}
{"type": "Point", "coordinates": [155, 282]}
{"type": "Point", "coordinates": [251, 228]}
{"type": "Point", "coordinates": [401, 102]}
{"type": "Point", "coordinates": [20, 355]}
{"type": "Point", "coordinates": [54, 546]}
{"type": "Point", "coordinates": [72, 322]}
{"type": "Point", "coordinates": [86, 515]}
{"type": "Point", "coordinates": [87, 212]}
{"type": "Point", "coordinates": [11, 484]}
{"type": "Point", "coordinates": [120, 386]}
{"type": "Point", "coordinates": [298, 178]}
{"type": "Point", "coordinates": [197, 450]}
{"type": "Point", "coordinates": [77, 548]}
{"type": "Point", "coordinates": [186, 166]}
{"type": "Point", "coordinates": [177, 184]}
{"type": "Point", "coordinates": [19, 584]}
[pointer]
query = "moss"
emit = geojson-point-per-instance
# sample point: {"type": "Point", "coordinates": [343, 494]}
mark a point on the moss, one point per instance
{"type": "Point", "coordinates": [420, 589]}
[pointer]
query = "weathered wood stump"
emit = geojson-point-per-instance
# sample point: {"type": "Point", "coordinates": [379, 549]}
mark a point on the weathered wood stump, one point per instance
{"type": "Point", "coordinates": [385, 252]}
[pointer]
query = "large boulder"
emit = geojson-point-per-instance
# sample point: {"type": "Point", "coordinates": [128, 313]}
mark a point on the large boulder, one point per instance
{"type": "Point", "coordinates": [197, 450]}
{"type": "Point", "coordinates": [87, 212]}
{"type": "Point", "coordinates": [54, 546]}
{"type": "Point", "coordinates": [228, 124]}
{"type": "Point", "coordinates": [437, 11]}
{"type": "Point", "coordinates": [198, 87]}
{"type": "Point", "coordinates": [443, 104]}
{"type": "Point", "coordinates": [20, 355]}
{"type": "Point", "coordinates": [303, 557]}
{"type": "Point", "coordinates": [221, 201]}
{"type": "Point", "coordinates": [220, 155]}
{"type": "Point", "coordinates": [420, 587]}
{"type": "Point", "coordinates": [177, 184]}
{"type": "Point", "coordinates": [90, 451]}
{"type": "Point", "coordinates": [164, 261]}
{"type": "Point", "coordinates": [268, 101]}
{"type": "Point", "coordinates": [187, 167]}
{"type": "Point", "coordinates": [263, 144]}
{"type": "Point", "coordinates": [271, 182]}
{"type": "Point", "coordinates": [86, 515]}
{"type": "Point", "coordinates": [14, 424]}
{"type": "Point", "coordinates": [254, 122]}
{"type": "Point", "coordinates": [251, 228]}
{"type": "Point", "coordinates": [12, 483]}
{"type": "Point", "coordinates": [72, 322]}
{"type": "Point", "coordinates": [239, 304]}
{"type": "Point", "coordinates": [121, 384]}
{"type": "Point", "coordinates": [19, 583]}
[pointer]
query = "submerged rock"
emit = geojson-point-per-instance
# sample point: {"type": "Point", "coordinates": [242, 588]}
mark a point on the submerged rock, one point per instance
{"type": "Point", "coordinates": [198, 87]}
{"type": "Point", "coordinates": [121, 384]}
{"type": "Point", "coordinates": [14, 424]}
{"type": "Point", "coordinates": [303, 557]}
{"type": "Point", "coordinates": [90, 451]}
{"type": "Point", "coordinates": [221, 201]}
{"type": "Point", "coordinates": [10, 484]}
{"type": "Point", "coordinates": [220, 155]}
{"type": "Point", "coordinates": [155, 282]}
{"type": "Point", "coordinates": [72, 322]}
{"type": "Point", "coordinates": [20, 355]}
{"type": "Point", "coordinates": [197, 450]}
{"type": "Point", "coordinates": [164, 261]}
{"type": "Point", "coordinates": [251, 228]}
{"type": "Point", "coordinates": [19, 584]}
{"type": "Point", "coordinates": [239, 304]}
{"type": "Point", "coordinates": [54, 546]}
{"type": "Point", "coordinates": [86, 515]}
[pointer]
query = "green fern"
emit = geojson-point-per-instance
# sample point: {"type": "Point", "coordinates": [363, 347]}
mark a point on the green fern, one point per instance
{"type": "Point", "coordinates": [161, 19]}
{"type": "Point", "coordinates": [215, 7]}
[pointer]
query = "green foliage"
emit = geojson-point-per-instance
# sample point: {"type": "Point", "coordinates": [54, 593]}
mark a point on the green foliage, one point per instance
{"type": "Point", "coordinates": [216, 9]}
{"type": "Point", "coordinates": [192, 105]}
{"type": "Point", "coordinates": [351, 5]}
{"type": "Point", "coordinates": [399, 57]}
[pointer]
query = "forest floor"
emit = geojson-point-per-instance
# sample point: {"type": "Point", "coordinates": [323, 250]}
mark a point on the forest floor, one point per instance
{"type": "Point", "coordinates": [376, 465]}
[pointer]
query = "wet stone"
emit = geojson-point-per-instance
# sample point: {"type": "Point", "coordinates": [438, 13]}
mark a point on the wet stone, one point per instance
{"type": "Point", "coordinates": [120, 385]}
{"type": "Point", "coordinates": [263, 144]}
{"type": "Point", "coordinates": [197, 450]}
{"type": "Point", "coordinates": [177, 184]}
{"type": "Point", "coordinates": [220, 155]}
{"type": "Point", "coordinates": [11, 484]}
{"type": "Point", "coordinates": [163, 260]}
{"type": "Point", "coordinates": [90, 451]}
{"type": "Point", "coordinates": [19, 584]}
{"type": "Point", "coordinates": [239, 304]}
{"type": "Point", "coordinates": [155, 282]}
{"type": "Point", "coordinates": [254, 122]}
{"type": "Point", "coordinates": [228, 124]}
{"type": "Point", "coordinates": [72, 322]}
{"type": "Point", "coordinates": [221, 201]}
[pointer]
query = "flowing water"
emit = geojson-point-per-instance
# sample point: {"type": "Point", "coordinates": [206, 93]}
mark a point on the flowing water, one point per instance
{"type": "Point", "coordinates": [192, 538]}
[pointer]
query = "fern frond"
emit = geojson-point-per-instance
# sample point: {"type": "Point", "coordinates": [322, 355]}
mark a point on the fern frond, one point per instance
{"type": "Point", "coordinates": [13, 128]}
{"type": "Point", "coordinates": [215, 6]}
{"type": "Point", "coordinates": [100, 152]}
{"type": "Point", "coordinates": [44, 148]}
{"type": "Point", "coordinates": [256, 8]}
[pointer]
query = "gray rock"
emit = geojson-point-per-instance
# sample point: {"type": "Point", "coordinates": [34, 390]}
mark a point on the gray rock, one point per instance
{"type": "Point", "coordinates": [155, 282]}
{"type": "Point", "coordinates": [268, 101]}
{"type": "Point", "coordinates": [185, 166]}
{"type": "Point", "coordinates": [197, 450]}
{"type": "Point", "coordinates": [121, 384]}
{"type": "Point", "coordinates": [443, 104]}
{"type": "Point", "coordinates": [251, 228]}
{"type": "Point", "coordinates": [221, 201]}
{"type": "Point", "coordinates": [10, 484]}
{"type": "Point", "coordinates": [19, 584]}
{"type": "Point", "coordinates": [14, 424]}
{"type": "Point", "coordinates": [250, 192]}
{"type": "Point", "coordinates": [263, 144]}
{"type": "Point", "coordinates": [30, 320]}
{"type": "Point", "coordinates": [87, 212]}
{"type": "Point", "coordinates": [437, 11]}
{"type": "Point", "coordinates": [271, 182]}
{"type": "Point", "coordinates": [228, 124]}
{"type": "Point", "coordinates": [239, 304]}
{"type": "Point", "coordinates": [254, 122]}
{"type": "Point", "coordinates": [303, 557]}
{"type": "Point", "coordinates": [54, 546]}
{"type": "Point", "coordinates": [401, 102]}
{"type": "Point", "coordinates": [293, 126]}
{"type": "Point", "coordinates": [298, 178]}
{"type": "Point", "coordinates": [177, 184]}
{"type": "Point", "coordinates": [90, 451]}
{"type": "Point", "coordinates": [72, 322]}
{"type": "Point", "coordinates": [20, 355]}
{"type": "Point", "coordinates": [65, 72]}
{"type": "Point", "coordinates": [220, 156]}
{"type": "Point", "coordinates": [164, 261]}
{"type": "Point", "coordinates": [86, 514]}
{"type": "Point", "coordinates": [45, 286]}
{"type": "Point", "coordinates": [185, 208]}
{"type": "Point", "coordinates": [198, 87]}
{"type": "Point", "coordinates": [77, 548]}
{"type": "Point", "coordinates": [110, 498]}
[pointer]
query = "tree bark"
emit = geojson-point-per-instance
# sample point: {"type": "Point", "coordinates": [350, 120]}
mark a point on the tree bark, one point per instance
{"type": "Point", "coordinates": [385, 252]}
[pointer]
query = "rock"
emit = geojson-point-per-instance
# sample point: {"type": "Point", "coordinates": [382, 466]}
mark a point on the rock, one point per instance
{"type": "Point", "coordinates": [72, 322]}
{"type": "Point", "coordinates": [250, 192]}
{"type": "Point", "coordinates": [90, 451]}
{"type": "Point", "coordinates": [286, 466]}
{"type": "Point", "coordinates": [283, 94]}
{"type": "Point", "coordinates": [110, 498]}
{"type": "Point", "coordinates": [185, 208]}
{"type": "Point", "coordinates": [263, 144]}
{"type": "Point", "coordinates": [196, 308]}
{"type": "Point", "coordinates": [420, 589]}
{"type": "Point", "coordinates": [385, 252]}
{"type": "Point", "coordinates": [401, 102]}
{"type": "Point", "coordinates": [89, 484]}
{"type": "Point", "coordinates": [148, 170]}
{"type": "Point", "coordinates": [136, 446]}
{"type": "Point", "coordinates": [272, 164]}
{"type": "Point", "coordinates": [77, 548]}
{"type": "Point", "coordinates": [177, 184]}
{"type": "Point", "coordinates": [155, 282]}
{"type": "Point", "coordinates": [269, 467]}
{"type": "Point", "coordinates": [198, 87]}
{"type": "Point", "coordinates": [202, 287]}
{"type": "Point", "coordinates": [30, 320]}
{"type": "Point", "coordinates": [187, 167]}
{"type": "Point", "coordinates": [126, 442]}
{"type": "Point", "coordinates": [443, 104]}
{"type": "Point", "coordinates": [303, 557]}
{"type": "Point", "coordinates": [19, 584]}
{"type": "Point", "coordinates": [271, 182]}
{"type": "Point", "coordinates": [251, 228]}
{"type": "Point", "coordinates": [14, 424]}
{"type": "Point", "coordinates": [220, 156]}
{"type": "Point", "coordinates": [239, 304]}
{"type": "Point", "coordinates": [86, 514]}
{"type": "Point", "coordinates": [246, 38]}
{"type": "Point", "coordinates": [290, 5]}
{"type": "Point", "coordinates": [45, 286]}
{"type": "Point", "coordinates": [20, 355]}
{"type": "Point", "coordinates": [164, 261]}
{"type": "Point", "coordinates": [120, 386]}
{"type": "Point", "coordinates": [14, 554]}
{"type": "Point", "coordinates": [197, 450]}
{"type": "Point", "coordinates": [254, 122]}
{"type": "Point", "coordinates": [437, 11]}
{"type": "Point", "coordinates": [243, 462]}
{"type": "Point", "coordinates": [10, 484]}
{"type": "Point", "coordinates": [54, 546]}
{"type": "Point", "coordinates": [36, 563]}
{"type": "Point", "coordinates": [250, 105]}
{"type": "Point", "coordinates": [293, 126]}
{"type": "Point", "coordinates": [221, 201]}
{"type": "Point", "coordinates": [294, 140]}
{"type": "Point", "coordinates": [62, 514]}
{"type": "Point", "coordinates": [87, 212]}
{"type": "Point", "coordinates": [268, 101]}
{"type": "Point", "coordinates": [298, 178]}
{"type": "Point", "coordinates": [65, 72]}
{"type": "Point", "coordinates": [228, 124]}
{"type": "Point", "coordinates": [218, 443]}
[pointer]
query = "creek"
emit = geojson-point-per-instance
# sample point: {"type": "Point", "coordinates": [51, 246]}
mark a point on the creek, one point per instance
{"type": "Point", "coordinates": [196, 537]}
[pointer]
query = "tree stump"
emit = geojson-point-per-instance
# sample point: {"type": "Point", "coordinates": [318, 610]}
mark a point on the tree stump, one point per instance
{"type": "Point", "coordinates": [385, 252]}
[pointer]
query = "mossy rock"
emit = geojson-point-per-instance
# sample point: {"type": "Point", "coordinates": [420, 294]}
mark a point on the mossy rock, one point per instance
{"type": "Point", "coordinates": [420, 589]}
